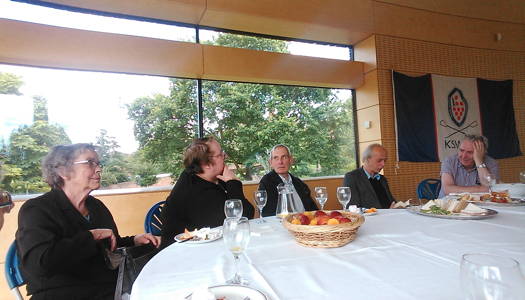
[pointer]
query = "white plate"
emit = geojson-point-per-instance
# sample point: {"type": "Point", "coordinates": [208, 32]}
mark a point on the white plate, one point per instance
{"type": "Point", "coordinates": [214, 234]}
{"type": "Point", "coordinates": [490, 213]}
{"type": "Point", "coordinates": [236, 292]}
{"type": "Point", "coordinates": [370, 214]}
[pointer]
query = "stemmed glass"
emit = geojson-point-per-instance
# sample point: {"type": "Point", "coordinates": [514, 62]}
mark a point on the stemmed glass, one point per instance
{"type": "Point", "coordinates": [260, 197]}
{"type": "Point", "coordinates": [236, 235]}
{"type": "Point", "coordinates": [343, 195]}
{"type": "Point", "coordinates": [321, 195]}
{"type": "Point", "coordinates": [522, 176]}
{"type": "Point", "coordinates": [233, 208]}
{"type": "Point", "coordinates": [487, 276]}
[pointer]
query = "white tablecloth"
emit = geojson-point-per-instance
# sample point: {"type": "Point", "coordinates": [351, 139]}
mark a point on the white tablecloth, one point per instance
{"type": "Point", "coordinates": [396, 255]}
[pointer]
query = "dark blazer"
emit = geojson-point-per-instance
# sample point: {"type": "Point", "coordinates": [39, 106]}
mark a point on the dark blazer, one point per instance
{"type": "Point", "coordinates": [59, 257]}
{"type": "Point", "coordinates": [271, 180]}
{"type": "Point", "coordinates": [363, 194]}
{"type": "Point", "coordinates": [195, 203]}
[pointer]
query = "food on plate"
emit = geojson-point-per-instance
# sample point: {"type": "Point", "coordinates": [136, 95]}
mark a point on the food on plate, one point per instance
{"type": "Point", "coordinates": [370, 210]}
{"type": "Point", "coordinates": [451, 206]}
{"type": "Point", "coordinates": [197, 234]}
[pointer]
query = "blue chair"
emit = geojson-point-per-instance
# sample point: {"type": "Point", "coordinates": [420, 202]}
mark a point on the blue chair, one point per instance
{"type": "Point", "coordinates": [12, 271]}
{"type": "Point", "coordinates": [429, 189]}
{"type": "Point", "coordinates": [153, 224]}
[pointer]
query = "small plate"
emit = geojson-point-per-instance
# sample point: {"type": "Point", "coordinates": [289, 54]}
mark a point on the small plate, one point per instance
{"type": "Point", "coordinates": [515, 202]}
{"type": "Point", "coordinates": [490, 213]}
{"type": "Point", "coordinates": [370, 214]}
{"type": "Point", "coordinates": [214, 234]}
{"type": "Point", "coordinates": [236, 292]}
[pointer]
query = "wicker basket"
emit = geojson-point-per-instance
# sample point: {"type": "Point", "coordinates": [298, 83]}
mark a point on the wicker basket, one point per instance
{"type": "Point", "coordinates": [325, 236]}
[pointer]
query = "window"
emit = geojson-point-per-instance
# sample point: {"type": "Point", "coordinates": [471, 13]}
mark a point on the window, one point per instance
{"type": "Point", "coordinates": [141, 124]}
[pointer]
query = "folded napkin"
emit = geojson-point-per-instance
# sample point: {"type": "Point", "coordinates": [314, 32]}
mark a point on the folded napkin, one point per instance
{"type": "Point", "coordinates": [402, 204]}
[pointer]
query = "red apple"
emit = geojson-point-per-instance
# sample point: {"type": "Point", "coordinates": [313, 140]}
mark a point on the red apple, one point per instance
{"type": "Point", "coordinates": [304, 219]}
{"type": "Point", "coordinates": [334, 214]}
{"type": "Point", "coordinates": [322, 219]}
{"type": "Point", "coordinates": [319, 213]}
{"type": "Point", "coordinates": [344, 220]}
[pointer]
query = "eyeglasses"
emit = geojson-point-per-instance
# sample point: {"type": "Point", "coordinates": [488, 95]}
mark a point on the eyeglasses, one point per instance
{"type": "Point", "coordinates": [223, 154]}
{"type": "Point", "coordinates": [92, 163]}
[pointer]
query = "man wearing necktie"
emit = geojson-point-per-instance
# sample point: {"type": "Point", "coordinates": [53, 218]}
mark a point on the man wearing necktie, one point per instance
{"type": "Point", "coordinates": [368, 187]}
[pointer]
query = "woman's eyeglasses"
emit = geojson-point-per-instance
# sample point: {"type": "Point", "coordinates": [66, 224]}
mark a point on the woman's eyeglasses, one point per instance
{"type": "Point", "coordinates": [92, 163]}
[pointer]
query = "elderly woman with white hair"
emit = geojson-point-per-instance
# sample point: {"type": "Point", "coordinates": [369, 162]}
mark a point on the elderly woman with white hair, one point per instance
{"type": "Point", "coordinates": [63, 235]}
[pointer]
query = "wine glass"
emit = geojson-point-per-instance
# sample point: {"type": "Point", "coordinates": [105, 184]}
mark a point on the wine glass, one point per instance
{"type": "Point", "coordinates": [522, 176]}
{"type": "Point", "coordinates": [233, 208]}
{"type": "Point", "coordinates": [236, 235]}
{"type": "Point", "coordinates": [487, 276]}
{"type": "Point", "coordinates": [343, 195]}
{"type": "Point", "coordinates": [260, 198]}
{"type": "Point", "coordinates": [321, 195]}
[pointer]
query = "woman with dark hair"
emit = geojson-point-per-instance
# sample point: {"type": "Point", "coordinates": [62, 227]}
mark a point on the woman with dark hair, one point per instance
{"type": "Point", "coordinates": [197, 199]}
{"type": "Point", "coordinates": [64, 235]}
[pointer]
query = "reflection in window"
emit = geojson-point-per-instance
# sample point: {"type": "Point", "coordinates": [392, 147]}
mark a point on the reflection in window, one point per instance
{"type": "Point", "coordinates": [273, 45]}
{"type": "Point", "coordinates": [63, 18]}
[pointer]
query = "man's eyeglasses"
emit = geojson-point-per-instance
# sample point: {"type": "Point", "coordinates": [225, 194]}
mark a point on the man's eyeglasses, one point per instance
{"type": "Point", "coordinates": [222, 154]}
{"type": "Point", "coordinates": [92, 163]}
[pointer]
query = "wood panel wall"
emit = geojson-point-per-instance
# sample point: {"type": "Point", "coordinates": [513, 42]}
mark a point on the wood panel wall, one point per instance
{"type": "Point", "coordinates": [415, 57]}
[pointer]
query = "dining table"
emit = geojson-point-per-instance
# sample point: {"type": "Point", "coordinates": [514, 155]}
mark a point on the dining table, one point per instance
{"type": "Point", "coordinates": [395, 255]}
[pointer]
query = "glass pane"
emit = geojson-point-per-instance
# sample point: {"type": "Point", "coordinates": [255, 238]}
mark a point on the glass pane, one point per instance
{"type": "Point", "coordinates": [249, 119]}
{"type": "Point", "coordinates": [141, 123]}
{"type": "Point", "coordinates": [63, 18]}
{"type": "Point", "coordinates": [273, 45]}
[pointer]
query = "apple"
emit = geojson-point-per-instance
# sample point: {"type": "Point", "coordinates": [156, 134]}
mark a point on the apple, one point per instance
{"type": "Point", "coordinates": [304, 219]}
{"type": "Point", "coordinates": [332, 221]}
{"type": "Point", "coordinates": [322, 219]}
{"type": "Point", "coordinates": [334, 214]}
{"type": "Point", "coordinates": [319, 213]}
{"type": "Point", "coordinates": [344, 220]}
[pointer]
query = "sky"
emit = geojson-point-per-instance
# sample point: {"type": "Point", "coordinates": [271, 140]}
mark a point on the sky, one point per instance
{"type": "Point", "coordinates": [85, 102]}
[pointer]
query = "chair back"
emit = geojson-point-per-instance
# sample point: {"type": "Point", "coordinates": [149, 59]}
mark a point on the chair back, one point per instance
{"type": "Point", "coordinates": [153, 223]}
{"type": "Point", "coordinates": [12, 271]}
{"type": "Point", "coordinates": [429, 189]}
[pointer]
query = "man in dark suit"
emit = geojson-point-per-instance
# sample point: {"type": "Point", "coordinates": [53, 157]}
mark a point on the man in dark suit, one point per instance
{"type": "Point", "coordinates": [281, 160]}
{"type": "Point", "coordinates": [368, 187]}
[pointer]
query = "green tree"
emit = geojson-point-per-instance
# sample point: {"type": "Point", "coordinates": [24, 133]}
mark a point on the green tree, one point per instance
{"type": "Point", "coordinates": [248, 119]}
{"type": "Point", "coordinates": [28, 144]}
{"type": "Point", "coordinates": [117, 166]}
{"type": "Point", "coordinates": [10, 84]}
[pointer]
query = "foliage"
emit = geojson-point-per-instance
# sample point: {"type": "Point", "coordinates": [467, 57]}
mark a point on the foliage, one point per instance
{"type": "Point", "coordinates": [28, 145]}
{"type": "Point", "coordinates": [248, 119]}
{"type": "Point", "coordinates": [10, 84]}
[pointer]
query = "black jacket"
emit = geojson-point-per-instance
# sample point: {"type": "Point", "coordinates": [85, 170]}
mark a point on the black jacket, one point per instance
{"type": "Point", "coordinates": [271, 180]}
{"type": "Point", "coordinates": [195, 203]}
{"type": "Point", "coordinates": [59, 257]}
{"type": "Point", "coordinates": [363, 194]}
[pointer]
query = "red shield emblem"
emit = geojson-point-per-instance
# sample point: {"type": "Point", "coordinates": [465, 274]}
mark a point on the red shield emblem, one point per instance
{"type": "Point", "coordinates": [457, 107]}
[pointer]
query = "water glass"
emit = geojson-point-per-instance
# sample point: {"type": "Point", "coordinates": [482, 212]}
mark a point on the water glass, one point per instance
{"type": "Point", "coordinates": [491, 181]}
{"type": "Point", "coordinates": [522, 176]}
{"type": "Point", "coordinates": [343, 195]}
{"type": "Point", "coordinates": [487, 276]}
{"type": "Point", "coordinates": [236, 235]}
{"type": "Point", "coordinates": [260, 199]}
{"type": "Point", "coordinates": [321, 195]}
{"type": "Point", "coordinates": [233, 208]}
